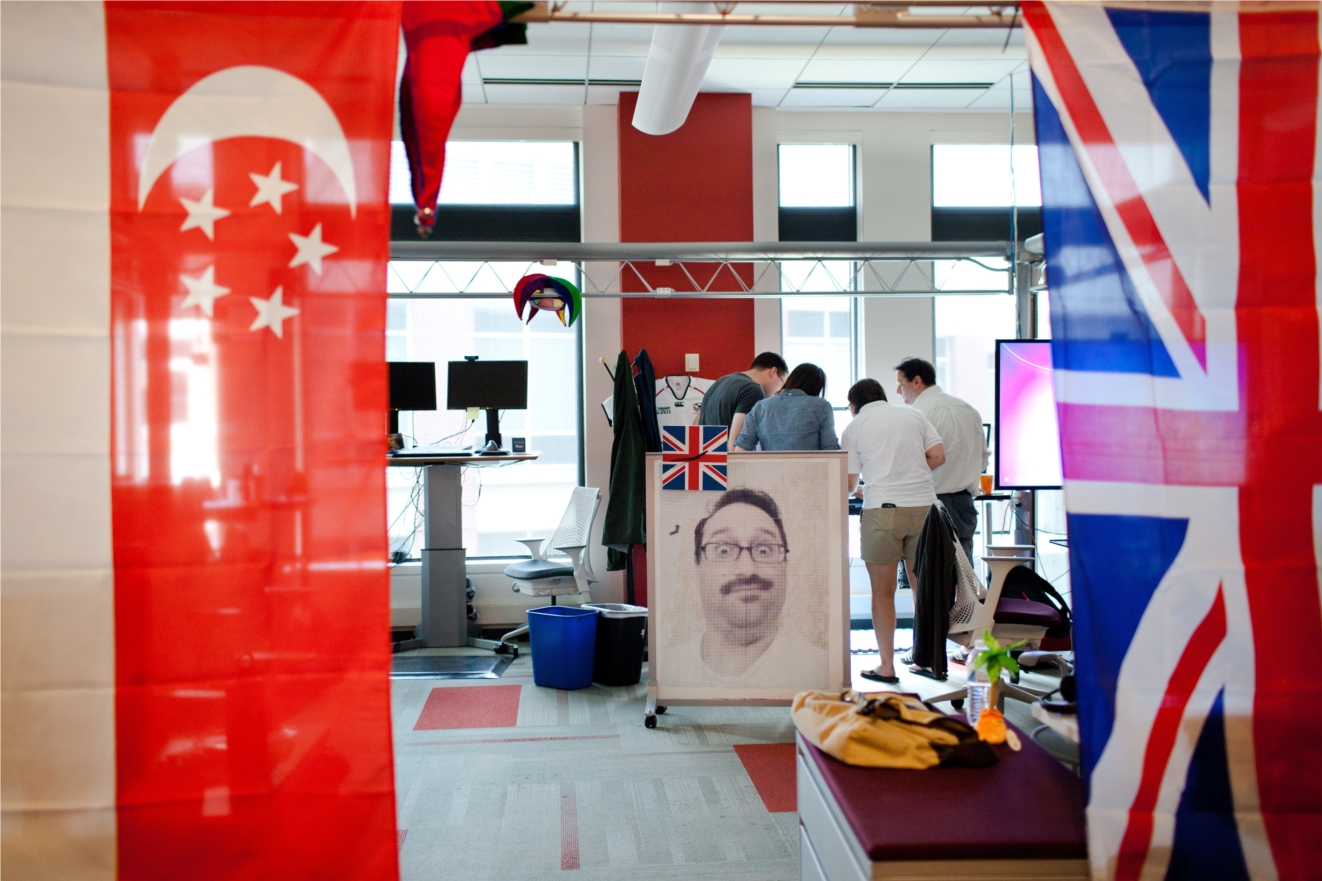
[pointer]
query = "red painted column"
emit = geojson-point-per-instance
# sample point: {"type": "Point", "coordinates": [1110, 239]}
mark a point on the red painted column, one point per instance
{"type": "Point", "coordinates": [693, 185]}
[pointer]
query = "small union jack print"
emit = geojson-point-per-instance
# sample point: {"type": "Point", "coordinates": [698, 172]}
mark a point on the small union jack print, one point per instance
{"type": "Point", "coordinates": [693, 457]}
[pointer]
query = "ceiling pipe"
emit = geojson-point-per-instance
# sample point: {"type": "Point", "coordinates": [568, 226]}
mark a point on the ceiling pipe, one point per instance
{"type": "Point", "coordinates": [676, 63]}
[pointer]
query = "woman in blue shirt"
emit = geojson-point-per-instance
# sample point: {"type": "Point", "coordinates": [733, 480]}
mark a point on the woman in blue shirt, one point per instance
{"type": "Point", "coordinates": [797, 418]}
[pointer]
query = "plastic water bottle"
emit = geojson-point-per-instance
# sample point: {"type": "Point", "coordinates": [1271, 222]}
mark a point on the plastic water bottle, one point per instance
{"type": "Point", "coordinates": [979, 686]}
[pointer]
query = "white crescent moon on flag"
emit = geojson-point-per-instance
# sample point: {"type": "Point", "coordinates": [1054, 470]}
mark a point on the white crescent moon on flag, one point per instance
{"type": "Point", "coordinates": [249, 101]}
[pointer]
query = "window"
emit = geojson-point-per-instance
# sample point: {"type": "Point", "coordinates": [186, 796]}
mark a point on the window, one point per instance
{"type": "Point", "coordinates": [496, 173]}
{"type": "Point", "coordinates": [506, 503]}
{"type": "Point", "coordinates": [966, 330]}
{"type": "Point", "coordinates": [511, 191]}
{"type": "Point", "coordinates": [817, 175]}
{"type": "Point", "coordinates": [978, 176]}
{"type": "Point", "coordinates": [973, 191]}
{"type": "Point", "coordinates": [817, 186]}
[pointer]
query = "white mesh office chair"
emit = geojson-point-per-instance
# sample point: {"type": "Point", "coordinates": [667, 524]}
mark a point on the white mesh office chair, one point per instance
{"type": "Point", "coordinates": [1007, 618]}
{"type": "Point", "coordinates": [540, 577]}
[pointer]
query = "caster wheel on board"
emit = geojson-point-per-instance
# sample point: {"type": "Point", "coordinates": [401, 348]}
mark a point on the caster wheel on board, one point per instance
{"type": "Point", "coordinates": [958, 703]}
{"type": "Point", "coordinates": [660, 710]}
{"type": "Point", "coordinates": [649, 721]}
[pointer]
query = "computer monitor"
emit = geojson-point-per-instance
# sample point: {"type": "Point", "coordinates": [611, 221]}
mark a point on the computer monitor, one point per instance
{"type": "Point", "coordinates": [1027, 433]}
{"type": "Point", "coordinates": [487, 385]}
{"type": "Point", "coordinates": [412, 387]}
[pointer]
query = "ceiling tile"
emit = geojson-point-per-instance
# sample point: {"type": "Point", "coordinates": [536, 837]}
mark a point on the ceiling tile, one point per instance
{"type": "Point", "coordinates": [534, 67]}
{"type": "Point", "coordinates": [744, 74]}
{"type": "Point", "coordinates": [830, 70]}
{"type": "Point", "coordinates": [983, 37]}
{"type": "Point", "coordinates": [473, 93]}
{"type": "Point", "coordinates": [798, 51]}
{"type": "Point", "coordinates": [621, 39]}
{"type": "Point", "coordinates": [823, 98]}
{"type": "Point", "coordinates": [470, 73]}
{"type": "Point", "coordinates": [768, 97]}
{"type": "Point", "coordinates": [559, 38]}
{"type": "Point", "coordinates": [534, 94]}
{"type": "Point", "coordinates": [615, 67]}
{"type": "Point", "coordinates": [920, 99]}
{"type": "Point", "coordinates": [771, 35]}
{"type": "Point", "coordinates": [605, 94]}
{"type": "Point", "coordinates": [843, 36]}
{"type": "Point", "coordinates": [958, 71]}
{"type": "Point", "coordinates": [999, 99]}
{"type": "Point", "coordinates": [990, 53]}
{"type": "Point", "coordinates": [853, 52]}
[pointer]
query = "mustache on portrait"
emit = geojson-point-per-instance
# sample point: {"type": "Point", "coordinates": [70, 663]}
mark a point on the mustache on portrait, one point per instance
{"type": "Point", "coordinates": [756, 581]}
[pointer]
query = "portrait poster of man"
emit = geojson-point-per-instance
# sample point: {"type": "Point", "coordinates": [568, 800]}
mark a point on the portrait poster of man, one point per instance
{"type": "Point", "coordinates": [747, 586]}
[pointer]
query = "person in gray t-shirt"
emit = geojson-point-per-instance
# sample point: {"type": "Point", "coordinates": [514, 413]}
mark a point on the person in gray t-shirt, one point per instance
{"type": "Point", "coordinates": [731, 397]}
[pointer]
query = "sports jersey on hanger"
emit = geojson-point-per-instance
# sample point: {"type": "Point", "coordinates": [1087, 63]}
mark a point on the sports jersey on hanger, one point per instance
{"type": "Point", "coordinates": [678, 399]}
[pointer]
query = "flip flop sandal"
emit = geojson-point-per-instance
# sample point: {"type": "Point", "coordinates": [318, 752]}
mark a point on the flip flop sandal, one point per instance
{"type": "Point", "coordinates": [926, 671]}
{"type": "Point", "coordinates": [877, 677]}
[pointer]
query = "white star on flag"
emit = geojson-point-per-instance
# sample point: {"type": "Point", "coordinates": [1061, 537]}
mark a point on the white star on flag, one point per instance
{"type": "Point", "coordinates": [270, 189]}
{"type": "Point", "coordinates": [203, 290]}
{"type": "Point", "coordinates": [272, 313]}
{"type": "Point", "coordinates": [311, 249]}
{"type": "Point", "coordinates": [203, 214]}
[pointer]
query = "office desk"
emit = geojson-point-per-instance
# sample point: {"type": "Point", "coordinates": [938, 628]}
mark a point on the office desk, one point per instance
{"type": "Point", "coordinates": [444, 600]}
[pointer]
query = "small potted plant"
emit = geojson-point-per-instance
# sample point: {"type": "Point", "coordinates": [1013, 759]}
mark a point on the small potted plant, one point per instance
{"type": "Point", "coordinates": [995, 658]}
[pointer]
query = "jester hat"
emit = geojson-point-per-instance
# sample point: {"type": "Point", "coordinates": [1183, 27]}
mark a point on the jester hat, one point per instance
{"type": "Point", "coordinates": [549, 294]}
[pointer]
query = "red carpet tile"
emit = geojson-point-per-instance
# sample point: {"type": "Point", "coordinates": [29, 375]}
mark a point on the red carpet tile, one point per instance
{"type": "Point", "coordinates": [771, 768]}
{"type": "Point", "coordinates": [473, 706]}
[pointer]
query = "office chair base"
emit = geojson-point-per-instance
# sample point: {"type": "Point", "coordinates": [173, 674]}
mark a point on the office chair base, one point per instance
{"type": "Point", "coordinates": [1007, 689]}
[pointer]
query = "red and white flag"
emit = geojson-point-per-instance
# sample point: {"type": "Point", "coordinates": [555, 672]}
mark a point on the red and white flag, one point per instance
{"type": "Point", "coordinates": [196, 650]}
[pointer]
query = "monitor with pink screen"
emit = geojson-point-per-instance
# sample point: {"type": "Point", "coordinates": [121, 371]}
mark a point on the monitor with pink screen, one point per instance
{"type": "Point", "coordinates": [1027, 436]}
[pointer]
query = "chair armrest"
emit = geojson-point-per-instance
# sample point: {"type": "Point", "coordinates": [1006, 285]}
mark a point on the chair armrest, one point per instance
{"type": "Point", "coordinates": [578, 555]}
{"type": "Point", "coordinates": [534, 546]}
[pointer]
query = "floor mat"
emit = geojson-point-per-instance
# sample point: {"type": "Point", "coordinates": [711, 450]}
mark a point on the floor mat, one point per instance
{"type": "Point", "coordinates": [771, 768]}
{"type": "Point", "coordinates": [448, 666]}
{"type": "Point", "coordinates": [489, 706]}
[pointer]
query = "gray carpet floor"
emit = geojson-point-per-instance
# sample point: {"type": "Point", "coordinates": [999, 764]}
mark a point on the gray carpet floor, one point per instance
{"type": "Point", "coordinates": [578, 788]}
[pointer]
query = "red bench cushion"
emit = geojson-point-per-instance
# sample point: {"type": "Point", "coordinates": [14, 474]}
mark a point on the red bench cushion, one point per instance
{"type": "Point", "coordinates": [1028, 806]}
{"type": "Point", "coordinates": [1013, 611]}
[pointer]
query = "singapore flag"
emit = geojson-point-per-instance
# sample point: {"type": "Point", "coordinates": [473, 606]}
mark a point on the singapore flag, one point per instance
{"type": "Point", "coordinates": [195, 612]}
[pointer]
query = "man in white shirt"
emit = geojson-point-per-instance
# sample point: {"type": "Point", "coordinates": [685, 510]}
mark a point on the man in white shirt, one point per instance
{"type": "Point", "coordinates": [960, 427]}
{"type": "Point", "coordinates": [895, 450]}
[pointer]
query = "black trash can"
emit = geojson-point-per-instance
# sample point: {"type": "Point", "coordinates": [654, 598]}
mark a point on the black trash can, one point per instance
{"type": "Point", "coordinates": [619, 652]}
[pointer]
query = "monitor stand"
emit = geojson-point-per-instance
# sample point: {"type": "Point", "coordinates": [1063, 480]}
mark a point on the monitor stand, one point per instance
{"type": "Point", "coordinates": [493, 435]}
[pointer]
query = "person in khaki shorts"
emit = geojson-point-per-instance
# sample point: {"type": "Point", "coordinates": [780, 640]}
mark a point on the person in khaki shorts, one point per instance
{"type": "Point", "coordinates": [894, 449]}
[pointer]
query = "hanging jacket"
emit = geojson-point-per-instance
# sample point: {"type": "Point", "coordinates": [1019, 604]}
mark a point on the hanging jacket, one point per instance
{"type": "Point", "coordinates": [937, 575]}
{"type": "Point", "coordinates": [645, 385]}
{"type": "Point", "coordinates": [625, 522]}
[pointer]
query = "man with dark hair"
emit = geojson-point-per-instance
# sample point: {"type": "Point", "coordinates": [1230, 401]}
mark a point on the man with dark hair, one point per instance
{"type": "Point", "coordinates": [730, 399]}
{"type": "Point", "coordinates": [894, 449]}
{"type": "Point", "coordinates": [960, 427]}
{"type": "Point", "coordinates": [864, 392]}
{"type": "Point", "coordinates": [742, 557]}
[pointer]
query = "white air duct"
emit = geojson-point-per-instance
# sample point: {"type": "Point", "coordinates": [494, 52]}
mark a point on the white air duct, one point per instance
{"type": "Point", "coordinates": [676, 64]}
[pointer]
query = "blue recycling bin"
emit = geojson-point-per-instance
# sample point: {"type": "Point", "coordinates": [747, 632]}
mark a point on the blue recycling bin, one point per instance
{"type": "Point", "coordinates": [563, 641]}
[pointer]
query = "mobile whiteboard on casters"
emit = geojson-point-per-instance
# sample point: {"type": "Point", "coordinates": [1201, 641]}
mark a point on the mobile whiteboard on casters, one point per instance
{"type": "Point", "coordinates": [748, 592]}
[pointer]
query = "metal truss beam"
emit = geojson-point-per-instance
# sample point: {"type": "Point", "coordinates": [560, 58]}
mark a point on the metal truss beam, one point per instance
{"type": "Point", "coordinates": [710, 269]}
{"type": "Point", "coordinates": [866, 15]}
{"type": "Point", "coordinates": [696, 251]}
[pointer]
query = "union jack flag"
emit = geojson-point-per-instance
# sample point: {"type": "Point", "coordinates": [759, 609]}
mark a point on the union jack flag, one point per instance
{"type": "Point", "coordinates": [1179, 155]}
{"type": "Point", "coordinates": [693, 457]}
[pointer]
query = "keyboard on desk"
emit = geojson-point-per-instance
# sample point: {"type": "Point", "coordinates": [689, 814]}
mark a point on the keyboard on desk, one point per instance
{"type": "Point", "coordinates": [432, 451]}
